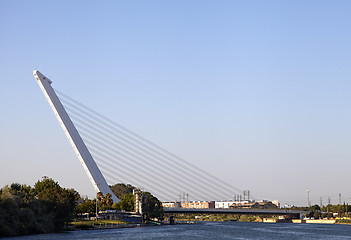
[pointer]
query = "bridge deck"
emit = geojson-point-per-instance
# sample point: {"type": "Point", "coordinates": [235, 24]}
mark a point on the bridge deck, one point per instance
{"type": "Point", "coordinates": [294, 213]}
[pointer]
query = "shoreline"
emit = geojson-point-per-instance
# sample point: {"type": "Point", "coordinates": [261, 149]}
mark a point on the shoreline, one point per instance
{"type": "Point", "coordinates": [131, 225]}
{"type": "Point", "coordinates": [105, 226]}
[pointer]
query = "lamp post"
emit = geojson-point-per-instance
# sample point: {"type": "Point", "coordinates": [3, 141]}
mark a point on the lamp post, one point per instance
{"type": "Point", "coordinates": [96, 208]}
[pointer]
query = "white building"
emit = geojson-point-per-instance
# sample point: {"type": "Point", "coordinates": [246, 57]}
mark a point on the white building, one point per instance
{"type": "Point", "coordinates": [171, 205]}
{"type": "Point", "coordinates": [276, 202]}
{"type": "Point", "coordinates": [227, 204]}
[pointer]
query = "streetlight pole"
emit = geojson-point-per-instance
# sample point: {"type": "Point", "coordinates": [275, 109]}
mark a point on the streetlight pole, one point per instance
{"type": "Point", "coordinates": [96, 208]}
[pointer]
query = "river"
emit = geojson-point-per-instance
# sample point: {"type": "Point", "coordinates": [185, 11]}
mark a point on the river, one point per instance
{"type": "Point", "coordinates": [209, 230]}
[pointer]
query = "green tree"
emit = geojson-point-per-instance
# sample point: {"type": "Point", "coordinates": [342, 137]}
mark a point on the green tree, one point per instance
{"type": "Point", "coordinates": [126, 203]}
{"type": "Point", "coordinates": [316, 215]}
{"type": "Point", "coordinates": [42, 209]}
{"type": "Point", "coordinates": [104, 202]}
{"type": "Point", "coordinates": [121, 189]}
{"type": "Point", "coordinates": [152, 207]}
{"type": "Point", "coordinates": [108, 201]}
{"type": "Point", "coordinates": [87, 206]}
{"type": "Point", "coordinates": [57, 203]}
{"type": "Point", "coordinates": [315, 208]}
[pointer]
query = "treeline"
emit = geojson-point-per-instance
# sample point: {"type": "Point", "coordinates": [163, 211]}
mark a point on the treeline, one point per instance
{"type": "Point", "coordinates": [42, 209]}
{"type": "Point", "coordinates": [47, 207]}
{"type": "Point", "coordinates": [327, 211]}
{"type": "Point", "coordinates": [152, 207]}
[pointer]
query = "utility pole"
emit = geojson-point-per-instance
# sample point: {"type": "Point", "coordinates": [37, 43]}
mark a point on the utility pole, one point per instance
{"type": "Point", "coordinates": [96, 214]}
{"type": "Point", "coordinates": [246, 195]}
{"type": "Point", "coordinates": [308, 198]}
{"type": "Point", "coordinates": [321, 202]}
{"type": "Point", "coordinates": [328, 204]}
{"type": "Point", "coordinates": [96, 210]}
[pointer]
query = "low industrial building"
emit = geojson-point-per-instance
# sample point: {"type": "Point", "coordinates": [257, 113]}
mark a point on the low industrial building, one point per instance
{"type": "Point", "coordinates": [227, 204]}
{"type": "Point", "coordinates": [255, 205]}
{"type": "Point", "coordinates": [199, 204]}
{"type": "Point", "coordinates": [171, 205]}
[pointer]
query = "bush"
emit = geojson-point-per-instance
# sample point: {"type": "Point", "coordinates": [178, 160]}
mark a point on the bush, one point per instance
{"type": "Point", "coordinates": [343, 221]}
{"type": "Point", "coordinates": [246, 218]}
{"type": "Point", "coordinates": [42, 209]}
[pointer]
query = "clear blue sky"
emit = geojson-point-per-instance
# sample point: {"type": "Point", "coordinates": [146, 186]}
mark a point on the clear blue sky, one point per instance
{"type": "Point", "coordinates": [257, 92]}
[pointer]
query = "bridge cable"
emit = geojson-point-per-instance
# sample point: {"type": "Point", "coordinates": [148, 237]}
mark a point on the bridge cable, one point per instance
{"type": "Point", "coordinates": [168, 159]}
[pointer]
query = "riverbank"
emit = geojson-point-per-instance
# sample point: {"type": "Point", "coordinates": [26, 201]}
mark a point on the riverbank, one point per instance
{"type": "Point", "coordinates": [100, 224]}
{"type": "Point", "coordinates": [208, 230]}
{"type": "Point", "coordinates": [318, 221]}
{"type": "Point", "coordinates": [108, 224]}
{"type": "Point", "coordinates": [251, 218]}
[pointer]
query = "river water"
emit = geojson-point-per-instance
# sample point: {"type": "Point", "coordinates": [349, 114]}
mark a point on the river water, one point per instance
{"type": "Point", "coordinates": [209, 230]}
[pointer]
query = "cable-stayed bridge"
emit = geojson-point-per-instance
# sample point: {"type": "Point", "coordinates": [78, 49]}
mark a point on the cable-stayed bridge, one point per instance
{"type": "Point", "coordinates": [110, 154]}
